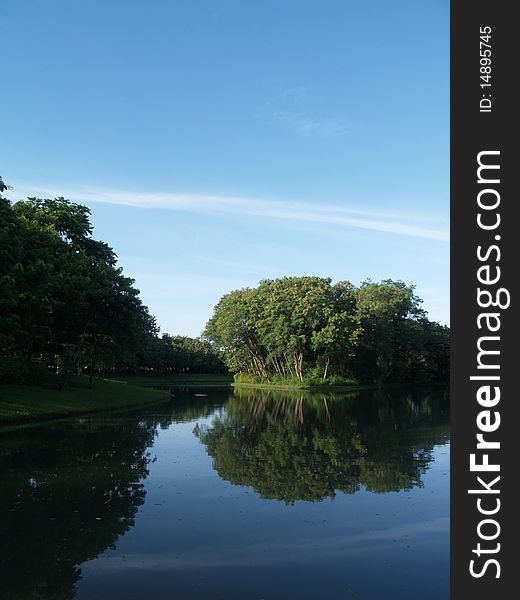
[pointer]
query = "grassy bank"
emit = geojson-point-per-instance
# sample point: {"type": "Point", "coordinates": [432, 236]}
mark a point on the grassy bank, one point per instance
{"type": "Point", "coordinates": [291, 383]}
{"type": "Point", "coordinates": [19, 402]}
{"type": "Point", "coordinates": [330, 385]}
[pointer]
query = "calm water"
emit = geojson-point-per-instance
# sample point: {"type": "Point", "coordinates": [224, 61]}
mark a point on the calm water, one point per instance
{"type": "Point", "coordinates": [236, 496]}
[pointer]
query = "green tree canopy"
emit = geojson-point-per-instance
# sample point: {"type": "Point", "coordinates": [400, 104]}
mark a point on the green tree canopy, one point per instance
{"type": "Point", "coordinates": [301, 327]}
{"type": "Point", "coordinates": [64, 301]}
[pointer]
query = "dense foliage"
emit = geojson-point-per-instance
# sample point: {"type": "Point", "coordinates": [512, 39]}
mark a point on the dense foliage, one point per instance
{"type": "Point", "coordinates": [66, 305]}
{"type": "Point", "coordinates": [308, 329]}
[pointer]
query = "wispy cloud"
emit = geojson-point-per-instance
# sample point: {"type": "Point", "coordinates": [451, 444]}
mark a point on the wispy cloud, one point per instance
{"type": "Point", "coordinates": [290, 110]}
{"type": "Point", "coordinates": [407, 224]}
{"type": "Point", "coordinates": [308, 125]}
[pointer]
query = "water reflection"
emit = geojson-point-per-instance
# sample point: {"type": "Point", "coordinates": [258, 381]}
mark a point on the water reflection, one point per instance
{"type": "Point", "coordinates": [308, 446]}
{"type": "Point", "coordinates": [72, 488]}
{"type": "Point", "coordinates": [68, 492]}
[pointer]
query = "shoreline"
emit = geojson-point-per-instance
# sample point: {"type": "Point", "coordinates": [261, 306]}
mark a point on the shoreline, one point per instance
{"type": "Point", "coordinates": [28, 404]}
{"type": "Point", "coordinates": [23, 403]}
{"type": "Point", "coordinates": [351, 387]}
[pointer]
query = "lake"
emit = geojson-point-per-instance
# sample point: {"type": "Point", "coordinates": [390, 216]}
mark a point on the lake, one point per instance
{"type": "Point", "coordinates": [233, 494]}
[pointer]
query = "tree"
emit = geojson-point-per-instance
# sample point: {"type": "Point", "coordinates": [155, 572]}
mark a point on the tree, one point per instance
{"type": "Point", "coordinates": [65, 302]}
{"type": "Point", "coordinates": [390, 317]}
{"type": "Point", "coordinates": [232, 329]}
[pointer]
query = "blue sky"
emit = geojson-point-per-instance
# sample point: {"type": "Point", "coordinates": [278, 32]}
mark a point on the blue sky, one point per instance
{"type": "Point", "coordinates": [218, 143]}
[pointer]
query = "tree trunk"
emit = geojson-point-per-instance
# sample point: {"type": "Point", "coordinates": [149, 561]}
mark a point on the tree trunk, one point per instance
{"type": "Point", "coordinates": [327, 363]}
{"type": "Point", "coordinates": [288, 366]}
{"type": "Point", "coordinates": [298, 364]}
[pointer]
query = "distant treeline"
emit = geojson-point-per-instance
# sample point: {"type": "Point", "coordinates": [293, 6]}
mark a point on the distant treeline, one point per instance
{"type": "Point", "coordinates": [306, 329]}
{"type": "Point", "coordinates": [179, 354]}
{"type": "Point", "coordinates": [66, 307]}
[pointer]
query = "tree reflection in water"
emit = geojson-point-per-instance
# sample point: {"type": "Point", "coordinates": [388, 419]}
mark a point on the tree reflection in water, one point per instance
{"type": "Point", "coordinates": [71, 488]}
{"type": "Point", "coordinates": [68, 492]}
{"type": "Point", "coordinates": [293, 447]}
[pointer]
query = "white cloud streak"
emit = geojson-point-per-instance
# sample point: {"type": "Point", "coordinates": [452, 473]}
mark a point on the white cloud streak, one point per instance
{"type": "Point", "coordinates": [409, 224]}
{"type": "Point", "coordinates": [308, 125]}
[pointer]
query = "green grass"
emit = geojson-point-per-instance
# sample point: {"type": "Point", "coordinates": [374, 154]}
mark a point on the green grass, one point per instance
{"type": "Point", "coordinates": [18, 402]}
{"type": "Point", "coordinates": [333, 387]}
{"type": "Point", "coordinates": [327, 387]}
{"type": "Point", "coordinates": [291, 383]}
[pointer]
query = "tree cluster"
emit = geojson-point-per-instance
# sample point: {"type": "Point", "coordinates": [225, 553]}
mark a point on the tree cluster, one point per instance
{"type": "Point", "coordinates": [64, 302]}
{"type": "Point", "coordinates": [306, 328]}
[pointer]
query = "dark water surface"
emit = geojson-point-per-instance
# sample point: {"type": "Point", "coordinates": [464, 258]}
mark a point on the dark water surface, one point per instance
{"type": "Point", "coordinates": [232, 495]}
